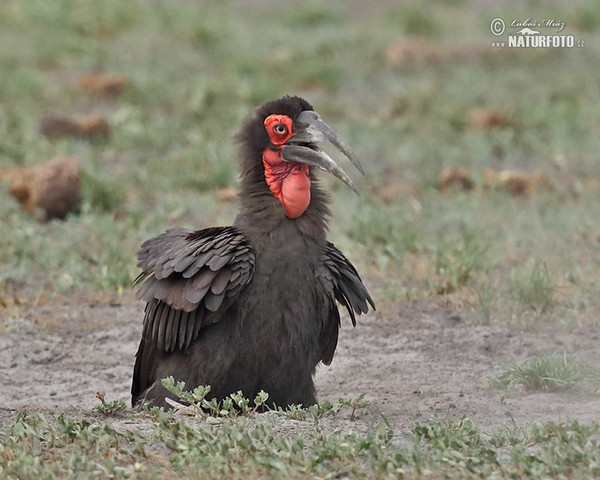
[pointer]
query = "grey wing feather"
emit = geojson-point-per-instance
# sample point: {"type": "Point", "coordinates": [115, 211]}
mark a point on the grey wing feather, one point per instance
{"type": "Point", "coordinates": [339, 281]}
{"type": "Point", "coordinates": [213, 302]}
{"type": "Point", "coordinates": [189, 280]}
{"type": "Point", "coordinates": [185, 271]}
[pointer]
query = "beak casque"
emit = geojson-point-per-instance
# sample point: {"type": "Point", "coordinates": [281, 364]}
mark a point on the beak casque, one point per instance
{"type": "Point", "coordinates": [310, 129]}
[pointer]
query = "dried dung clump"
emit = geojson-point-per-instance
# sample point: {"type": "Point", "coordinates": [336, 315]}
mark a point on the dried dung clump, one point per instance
{"type": "Point", "coordinates": [103, 84]}
{"type": "Point", "coordinates": [455, 178]}
{"type": "Point", "coordinates": [488, 119]}
{"type": "Point", "coordinates": [92, 127]}
{"type": "Point", "coordinates": [54, 187]}
{"type": "Point", "coordinates": [516, 182]}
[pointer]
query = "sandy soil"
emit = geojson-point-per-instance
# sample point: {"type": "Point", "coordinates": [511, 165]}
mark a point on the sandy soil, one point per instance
{"type": "Point", "coordinates": [420, 361]}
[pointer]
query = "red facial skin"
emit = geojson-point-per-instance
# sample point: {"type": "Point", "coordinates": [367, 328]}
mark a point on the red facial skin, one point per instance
{"type": "Point", "coordinates": [289, 181]}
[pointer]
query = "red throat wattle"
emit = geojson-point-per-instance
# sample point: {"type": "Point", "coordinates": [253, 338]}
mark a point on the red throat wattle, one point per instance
{"type": "Point", "coordinates": [289, 181]}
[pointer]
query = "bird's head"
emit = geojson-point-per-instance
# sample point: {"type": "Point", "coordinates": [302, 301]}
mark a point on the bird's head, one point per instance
{"type": "Point", "coordinates": [279, 141]}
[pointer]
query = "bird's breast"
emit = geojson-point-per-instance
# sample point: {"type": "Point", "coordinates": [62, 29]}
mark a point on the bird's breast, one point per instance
{"type": "Point", "coordinates": [280, 310]}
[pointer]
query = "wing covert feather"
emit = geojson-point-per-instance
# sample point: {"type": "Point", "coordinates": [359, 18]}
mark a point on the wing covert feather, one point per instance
{"type": "Point", "coordinates": [187, 273]}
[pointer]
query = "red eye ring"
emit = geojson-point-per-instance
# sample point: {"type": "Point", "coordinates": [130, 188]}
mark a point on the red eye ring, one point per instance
{"type": "Point", "coordinates": [279, 128]}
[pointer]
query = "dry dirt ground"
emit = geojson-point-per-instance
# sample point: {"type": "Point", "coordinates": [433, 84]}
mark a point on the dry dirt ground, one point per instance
{"type": "Point", "coordinates": [422, 361]}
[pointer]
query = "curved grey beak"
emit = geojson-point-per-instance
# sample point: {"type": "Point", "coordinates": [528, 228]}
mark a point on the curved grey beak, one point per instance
{"type": "Point", "coordinates": [310, 129]}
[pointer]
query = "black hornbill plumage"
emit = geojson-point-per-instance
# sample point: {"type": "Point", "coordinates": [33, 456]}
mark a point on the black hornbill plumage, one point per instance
{"type": "Point", "coordinates": [253, 306]}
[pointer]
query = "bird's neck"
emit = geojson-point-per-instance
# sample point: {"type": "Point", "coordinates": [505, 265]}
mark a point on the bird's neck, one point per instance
{"type": "Point", "coordinates": [263, 218]}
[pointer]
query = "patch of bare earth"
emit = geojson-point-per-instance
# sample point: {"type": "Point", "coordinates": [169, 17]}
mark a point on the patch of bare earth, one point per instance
{"type": "Point", "coordinates": [421, 361]}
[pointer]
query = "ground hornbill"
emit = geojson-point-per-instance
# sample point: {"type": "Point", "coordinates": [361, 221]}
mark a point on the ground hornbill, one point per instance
{"type": "Point", "coordinates": [253, 306]}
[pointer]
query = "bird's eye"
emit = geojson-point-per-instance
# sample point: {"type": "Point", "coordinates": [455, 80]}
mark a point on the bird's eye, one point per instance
{"type": "Point", "coordinates": [280, 129]}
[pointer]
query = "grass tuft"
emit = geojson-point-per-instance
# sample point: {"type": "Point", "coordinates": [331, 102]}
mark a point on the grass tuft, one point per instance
{"type": "Point", "coordinates": [483, 304]}
{"type": "Point", "coordinates": [103, 195]}
{"type": "Point", "coordinates": [533, 288]}
{"type": "Point", "coordinates": [548, 373]}
{"type": "Point", "coordinates": [457, 260]}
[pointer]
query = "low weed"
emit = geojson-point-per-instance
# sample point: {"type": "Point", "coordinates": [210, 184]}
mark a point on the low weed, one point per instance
{"type": "Point", "coordinates": [234, 405]}
{"type": "Point", "coordinates": [196, 402]}
{"type": "Point", "coordinates": [108, 408]}
{"type": "Point", "coordinates": [456, 443]}
{"type": "Point", "coordinates": [355, 404]}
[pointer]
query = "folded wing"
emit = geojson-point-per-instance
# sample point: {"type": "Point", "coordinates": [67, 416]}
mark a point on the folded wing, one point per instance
{"type": "Point", "coordinates": [339, 281]}
{"type": "Point", "coordinates": [189, 280]}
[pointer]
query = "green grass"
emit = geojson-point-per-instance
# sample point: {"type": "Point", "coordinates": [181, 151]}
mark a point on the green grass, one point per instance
{"type": "Point", "coordinates": [414, 20]}
{"type": "Point", "coordinates": [457, 260]}
{"type": "Point", "coordinates": [249, 447]}
{"type": "Point", "coordinates": [548, 373]}
{"type": "Point", "coordinates": [197, 71]}
{"type": "Point", "coordinates": [483, 303]}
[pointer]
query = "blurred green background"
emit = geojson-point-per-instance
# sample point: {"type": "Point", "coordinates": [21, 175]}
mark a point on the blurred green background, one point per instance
{"type": "Point", "coordinates": [415, 87]}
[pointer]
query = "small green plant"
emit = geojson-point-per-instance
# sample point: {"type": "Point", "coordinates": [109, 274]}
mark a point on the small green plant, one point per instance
{"type": "Point", "coordinates": [232, 406]}
{"type": "Point", "coordinates": [549, 448]}
{"type": "Point", "coordinates": [325, 409]}
{"type": "Point", "coordinates": [108, 408]}
{"type": "Point", "coordinates": [355, 404]}
{"type": "Point", "coordinates": [533, 288]}
{"type": "Point", "coordinates": [292, 412]}
{"type": "Point", "coordinates": [548, 372]}
{"type": "Point", "coordinates": [316, 412]}
{"type": "Point", "coordinates": [455, 442]}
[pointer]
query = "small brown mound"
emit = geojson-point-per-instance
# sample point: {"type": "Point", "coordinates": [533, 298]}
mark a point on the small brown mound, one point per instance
{"type": "Point", "coordinates": [455, 178]}
{"type": "Point", "coordinates": [92, 127]}
{"type": "Point", "coordinates": [53, 186]}
{"type": "Point", "coordinates": [103, 84]}
{"type": "Point", "coordinates": [488, 119]}
{"type": "Point", "coordinates": [516, 182]}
